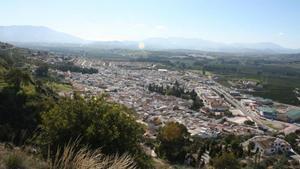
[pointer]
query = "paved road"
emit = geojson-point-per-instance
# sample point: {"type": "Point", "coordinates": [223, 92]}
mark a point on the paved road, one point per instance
{"type": "Point", "coordinates": [222, 91]}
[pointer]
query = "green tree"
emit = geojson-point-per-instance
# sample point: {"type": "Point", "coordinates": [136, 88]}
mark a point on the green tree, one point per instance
{"type": "Point", "coordinates": [249, 122]}
{"type": "Point", "coordinates": [197, 103]}
{"type": "Point", "coordinates": [281, 162]}
{"type": "Point", "coordinates": [226, 161]}
{"type": "Point", "coordinates": [292, 139]}
{"type": "Point", "coordinates": [20, 106]}
{"type": "Point", "coordinates": [17, 78]}
{"type": "Point", "coordinates": [203, 71]}
{"type": "Point", "coordinates": [173, 138]}
{"type": "Point", "coordinates": [98, 122]}
{"type": "Point", "coordinates": [42, 71]}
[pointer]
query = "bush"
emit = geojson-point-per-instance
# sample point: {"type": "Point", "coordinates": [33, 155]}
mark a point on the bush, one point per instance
{"type": "Point", "coordinates": [249, 122]}
{"type": "Point", "coordinates": [20, 105]}
{"type": "Point", "coordinates": [226, 160]}
{"type": "Point", "coordinates": [14, 161]}
{"type": "Point", "coordinates": [42, 71]}
{"type": "Point", "coordinates": [98, 122]}
{"type": "Point", "coordinates": [173, 139]}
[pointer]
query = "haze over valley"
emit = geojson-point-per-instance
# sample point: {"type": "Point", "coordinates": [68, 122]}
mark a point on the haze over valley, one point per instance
{"type": "Point", "coordinates": [44, 35]}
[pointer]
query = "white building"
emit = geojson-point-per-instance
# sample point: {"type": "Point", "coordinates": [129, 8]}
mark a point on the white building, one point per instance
{"type": "Point", "coordinates": [268, 145]}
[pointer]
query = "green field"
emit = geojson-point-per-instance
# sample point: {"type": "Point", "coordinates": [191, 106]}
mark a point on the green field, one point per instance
{"type": "Point", "coordinates": [59, 87]}
{"type": "Point", "coordinates": [276, 88]}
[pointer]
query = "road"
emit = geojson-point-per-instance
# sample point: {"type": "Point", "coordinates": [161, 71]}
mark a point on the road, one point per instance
{"type": "Point", "coordinates": [221, 90]}
{"type": "Point", "coordinates": [255, 117]}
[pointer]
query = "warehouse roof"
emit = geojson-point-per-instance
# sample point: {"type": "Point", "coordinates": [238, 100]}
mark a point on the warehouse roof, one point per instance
{"type": "Point", "coordinates": [266, 109]}
{"type": "Point", "coordinates": [294, 114]}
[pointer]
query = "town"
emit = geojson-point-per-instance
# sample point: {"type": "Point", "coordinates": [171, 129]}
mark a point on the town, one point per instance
{"type": "Point", "coordinates": [159, 96]}
{"type": "Point", "coordinates": [225, 110]}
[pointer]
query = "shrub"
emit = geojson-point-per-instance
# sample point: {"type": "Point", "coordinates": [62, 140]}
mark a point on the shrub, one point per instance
{"type": "Point", "coordinates": [14, 161]}
{"type": "Point", "coordinates": [173, 139]}
{"type": "Point", "coordinates": [249, 122]}
{"type": "Point", "coordinates": [98, 122]}
{"type": "Point", "coordinates": [226, 160]}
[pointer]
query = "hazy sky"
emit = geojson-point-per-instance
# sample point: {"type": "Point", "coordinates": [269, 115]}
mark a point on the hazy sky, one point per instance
{"type": "Point", "coordinates": [227, 21]}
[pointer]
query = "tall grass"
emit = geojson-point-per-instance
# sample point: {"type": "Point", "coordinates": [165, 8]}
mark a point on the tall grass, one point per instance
{"type": "Point", "coordinates": [18, 158]}
{"type": "Point", "coordinates": [14, 161]}
{"type": "Point", "coordinates": [70, 157]}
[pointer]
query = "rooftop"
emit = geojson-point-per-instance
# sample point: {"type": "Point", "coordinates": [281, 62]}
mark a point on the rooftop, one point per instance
{"type": "Point", "coordinates": [294, 114]}
{"type": "Point", "coordinates": [267, 109]}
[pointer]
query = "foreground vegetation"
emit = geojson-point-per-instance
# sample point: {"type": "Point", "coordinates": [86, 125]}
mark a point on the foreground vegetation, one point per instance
{"type": "Point", "coordinates": [69, 157]}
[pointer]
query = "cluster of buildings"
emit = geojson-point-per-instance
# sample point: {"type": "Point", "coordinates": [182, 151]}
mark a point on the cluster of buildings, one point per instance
{"type": "Point", "coordinates": [127, 83]}
{"type": "Point", "coordinates": [214, 104]}
{"type": "Point", "coordinates": [265, 146]}
{"type": "Point", "coordinates": [246, 85]}
{"type": "Point", "coordinates": [271, 110]}
{"type": "Point", "coordinates": [268, 145]}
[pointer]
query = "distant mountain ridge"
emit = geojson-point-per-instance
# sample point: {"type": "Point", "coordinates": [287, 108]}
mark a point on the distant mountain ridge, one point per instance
{"type": "Point", "coordinates": [34, 34]}
{"type": "Point", "coordinates": [40, 34]}
{"type": "Point", "coordinates": [200, 44]}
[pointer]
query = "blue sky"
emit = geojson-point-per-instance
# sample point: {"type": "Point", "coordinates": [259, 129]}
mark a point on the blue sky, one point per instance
{"type": "Point", "coordinates": [226, 21]}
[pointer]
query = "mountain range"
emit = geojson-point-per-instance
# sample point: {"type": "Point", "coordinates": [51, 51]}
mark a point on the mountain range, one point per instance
{"type": "Point", "coordinates": [41, 34]}
{"type": "Point", "coordinates": [35, 34]}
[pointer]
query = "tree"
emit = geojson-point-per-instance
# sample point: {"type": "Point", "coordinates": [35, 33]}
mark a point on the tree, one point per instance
{"type": "Point", "coordinates": [98, 122]}
{"type": "Point", "coordinates": [197, 104]}
{"type": "Point", "coordinates": [226, 161]}
{"type": "Point", "coordinates": [173, 138]}
{"type": "Point", "coordinates": [292, 139]}
{"type": "Point", "coordinates": [281, 162]}
{"type": "Point", "coordinates": [20, 105]}
{"type": "Point", "coordinates": [17, 78]}
{"type": "Point", "coordinates": [203, 71]}
{"type": "Point", "coordinates": [250, 147]}
{"type": "Point", "coordinates": [42, 71]}
{"type": "Point", "coordinates": [193, 94]}
{"type": "Point", "coordinates": [249, 122]}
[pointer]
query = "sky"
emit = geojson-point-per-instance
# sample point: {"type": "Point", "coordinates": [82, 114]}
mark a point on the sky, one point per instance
{"type": "Point", "coordinates": [227, 21]}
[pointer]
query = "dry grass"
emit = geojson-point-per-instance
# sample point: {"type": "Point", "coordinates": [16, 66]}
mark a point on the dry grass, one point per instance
{"type": "Point", "coordinates": [16, 158]}
{"type": "Point", "coordinates": [71, 158]}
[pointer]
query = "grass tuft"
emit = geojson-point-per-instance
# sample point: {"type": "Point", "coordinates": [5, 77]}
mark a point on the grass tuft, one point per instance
{"type": "Point", "coordinates": [70, 157]}
{"type": "Point", "coordinates": [14, 161]}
